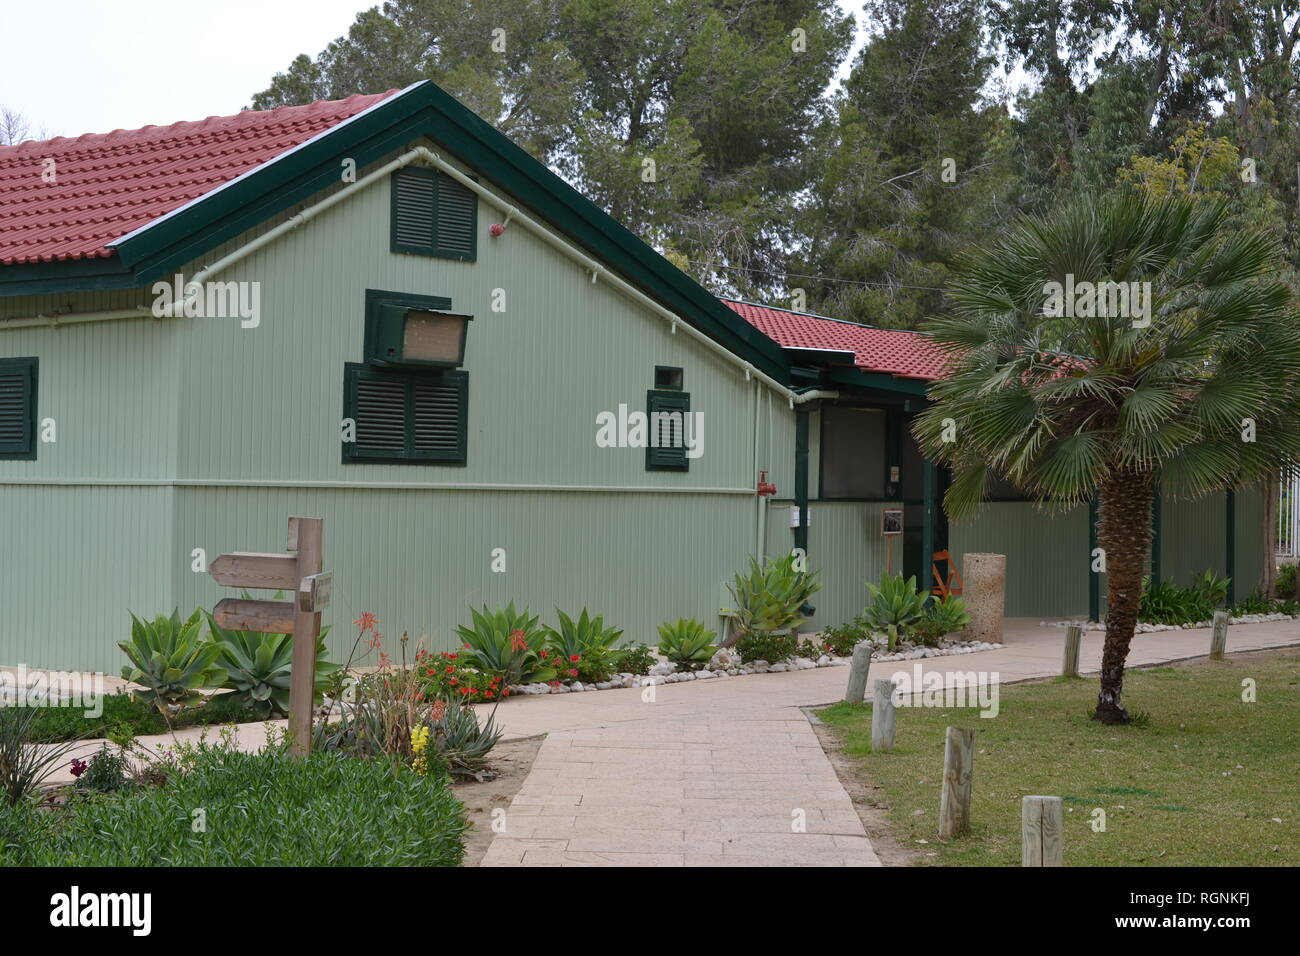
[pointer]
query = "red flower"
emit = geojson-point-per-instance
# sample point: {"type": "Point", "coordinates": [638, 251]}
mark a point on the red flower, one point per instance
{"type": "Point", "coordinates": [466, 646]}
{"type": "Point", "coordinates": [78, 767]}
{"type": "Point", "coordinates": [517, 642]}
{"type": "Point", "coordinates": [428, 672]}
{"type": "Point", "coordinates": [573, 673]}
{"type": "Point", "coordinates": [574, 658]}
{"type": "Point", "coordinates": [449, 669]}
{"type": "Point", "coordinates": [545, 655]}
{"type": "Point", "coordinates": [366, 621]}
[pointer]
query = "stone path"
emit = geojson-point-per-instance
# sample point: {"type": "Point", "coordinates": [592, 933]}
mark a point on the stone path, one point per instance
{"type": "Point", "coordinates": [716, 772]}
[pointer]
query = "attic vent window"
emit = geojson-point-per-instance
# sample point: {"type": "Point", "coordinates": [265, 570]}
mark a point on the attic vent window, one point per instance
{"type": "Point", "coordinates": [667, 377]}
{"type": "Point", "coordinates": [17, 408]}
{"type": "Point", "coordinates": [433, 215]}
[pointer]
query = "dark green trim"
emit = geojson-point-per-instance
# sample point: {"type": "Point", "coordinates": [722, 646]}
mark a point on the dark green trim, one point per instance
{"type": "Point", "coordinates": [1094, 579]}
{"type": "Point", "coordinates": [1230, 544]}
{"type": "Point", "coordinates": [424, 110]}
{"type": "Point", "coordinates": [353, 453]}
{"type": "Point", "coordinates": [929, 484]}
{"type": "Point", "coordinates": [77, 275]}
{"type": "Point", "coordinates": [666, 459]}
{"type": "Point", "coordinates": [801, 413]}
{"type": "Point", "coordinates": [25, 448]}
{"type": "Point", "coordinates": [878, 380]}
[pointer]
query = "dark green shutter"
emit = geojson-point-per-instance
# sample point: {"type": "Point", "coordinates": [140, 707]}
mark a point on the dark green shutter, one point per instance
{"type": "Point", "coordinates": [18, 408]}
{"type": "Point", "coordinates": [670, 431]}
{"type": "Point", "coordinates": [433, 215]}
{"type": "Point", "coordinates": [404, 417]}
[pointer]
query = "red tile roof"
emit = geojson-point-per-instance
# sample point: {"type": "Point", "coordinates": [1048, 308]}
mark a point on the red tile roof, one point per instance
{"type": "Point", "coordinates": [109, 184]}
{"type": "Point", "coordinates": [901, 354]}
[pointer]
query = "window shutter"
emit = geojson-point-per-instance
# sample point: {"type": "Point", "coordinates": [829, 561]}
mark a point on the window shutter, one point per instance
{"type": "Point", "coordinates": [414, 208]}
{"type": "Point", "coordinates": [406, 417]}
{"type": "Point", "coordinates": [668, 430]}
{"type": "Point", "coordinates": [433, 215]}
{"type": "Point", "coordinates": [457, 216]}
{"type": "Point", "coordinates": [438, 411]}
{"type": "Point", "coordinates": [18, 408]}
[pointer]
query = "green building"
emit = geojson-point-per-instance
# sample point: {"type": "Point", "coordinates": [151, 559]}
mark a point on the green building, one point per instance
{"type": "Point", "coordinates": [380, 312]}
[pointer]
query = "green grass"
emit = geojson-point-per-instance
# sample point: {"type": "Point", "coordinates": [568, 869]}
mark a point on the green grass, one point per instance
{"type": "Point", "coordinates": [227, 808]}
{"type": "Point", "coordinates": [121, 711]}
{"type": "Point", "coordinates": [1198, 783]}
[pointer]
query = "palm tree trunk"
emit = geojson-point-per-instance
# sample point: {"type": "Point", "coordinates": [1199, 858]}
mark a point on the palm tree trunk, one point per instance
{"type": "Point", "coordinates": [1124, 534]}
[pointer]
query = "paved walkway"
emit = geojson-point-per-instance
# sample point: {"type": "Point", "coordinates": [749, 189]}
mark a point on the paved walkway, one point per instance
{"type": "Point", "coordinates": [717, 772]}
{"type": "Point", "coordinates": [727, 771]}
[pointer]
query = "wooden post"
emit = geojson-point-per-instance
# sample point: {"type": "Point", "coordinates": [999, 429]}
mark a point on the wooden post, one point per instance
{"type": "Point", "coordinates": [1042, 840]}
{"type": "Point", "coordinates": [1073, 637]}
{"type": "Point", "coordinates": [856, 692]}
{"type": "Point", "coordinates": [306, 533]}
{"type": "Point", "coordinates": [1219, 636]}
{"type": "Point", "coordinates": [954, 798]}
{"type": "Point", "coordinates": [882, 717]}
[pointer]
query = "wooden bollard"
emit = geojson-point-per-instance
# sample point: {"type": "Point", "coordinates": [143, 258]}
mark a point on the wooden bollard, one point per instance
{"type": "Point", "coordinates": [856, 692]}
{"type": "Point", "coordinates": [1042, 832]}
{"type": "Point", "coordinates": [1219, 635]}
{"type": "Point", "coordinates": [1073, 638]}
{"type": "Point", "coordinates": [954, 798]}
{"type": "Point", "coordinates": [882, 717]}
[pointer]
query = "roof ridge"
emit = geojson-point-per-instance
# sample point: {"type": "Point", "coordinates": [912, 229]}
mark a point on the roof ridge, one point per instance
{"type": "Point", "coordinates": [824, 318]}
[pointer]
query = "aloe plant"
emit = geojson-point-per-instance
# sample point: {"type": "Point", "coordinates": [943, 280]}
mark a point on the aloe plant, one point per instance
{"type": "Point", "coordinates": [581, 636]}
{"type": "Point", "coordinates": [258, 668]}
{"type": "Point", "coordinates": [895, 605]}
{"type": "Point", "coordinates": [771, 596]}
{"type": "Point", "coordinates": [686, 642]}
{"type": "Point", "coordinates": [170, 661]}
{"type": "Point", "coordinates": [508, 643]}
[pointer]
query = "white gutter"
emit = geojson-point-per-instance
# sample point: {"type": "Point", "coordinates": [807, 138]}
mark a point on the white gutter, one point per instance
{"type": "Point", "coordinates": [75, 318]}
{"type": "Point", "coordinates": [426, 155]}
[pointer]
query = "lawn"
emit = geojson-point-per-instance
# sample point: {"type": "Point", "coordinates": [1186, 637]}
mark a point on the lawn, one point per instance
{"type": "Point", "coordinates": [1200, 779]}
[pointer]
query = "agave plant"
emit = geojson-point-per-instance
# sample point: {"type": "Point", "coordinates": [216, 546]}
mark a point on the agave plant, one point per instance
{"type": "Point", "coordinates": [686, 642]}
{"type": "Point", "coordinates": [771, 596]}
{"type": "Point", "coordinates": [942, 617]}
{"type": "Point", "coordinates": [170, 660]}
{"type": "Point", "coordinates": [462, 742]}
{"type": "Point", "coordinates": [586, 643]}
{"type": "Point", "coordinates": [895, 605]}
{"type": "Point", "coordinates": [508, 643]}
{"type": "Point", "coordinates": [258, 668]}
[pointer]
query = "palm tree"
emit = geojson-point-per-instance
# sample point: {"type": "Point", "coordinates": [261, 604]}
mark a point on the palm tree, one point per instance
{"type": "Point", "coordinates": [1068, 404]}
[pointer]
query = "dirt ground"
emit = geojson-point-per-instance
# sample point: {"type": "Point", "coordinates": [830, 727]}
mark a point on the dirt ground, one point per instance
{"type": "Point", "coordinates": [867, 800]}
{"type": "Point", "coordinates": [512, 759]}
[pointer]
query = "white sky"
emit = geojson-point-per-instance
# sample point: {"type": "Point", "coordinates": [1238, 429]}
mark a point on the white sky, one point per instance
{"type": "Point", "coordinates": [98, 65]}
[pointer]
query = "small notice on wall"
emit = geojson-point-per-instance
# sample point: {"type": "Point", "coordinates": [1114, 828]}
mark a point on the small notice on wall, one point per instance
{"type": "Point", "coordinates": [794, 516]}
{"type": "Point", "coordinates": [891, 521]}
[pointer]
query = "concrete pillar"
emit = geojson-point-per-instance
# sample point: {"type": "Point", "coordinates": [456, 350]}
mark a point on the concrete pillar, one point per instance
{"type": "Point", "coordinates": [984, 580]}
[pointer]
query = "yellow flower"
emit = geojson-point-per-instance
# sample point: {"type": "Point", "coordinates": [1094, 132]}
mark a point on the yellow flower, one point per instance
{"type": "Point", "coordinates": [419, 746]}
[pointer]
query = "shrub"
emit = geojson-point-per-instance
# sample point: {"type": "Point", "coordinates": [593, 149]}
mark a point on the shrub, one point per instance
{"type": "Point", "coordinates": [895, 606]}
{"type": "Point", "coordinates": [257, 668]}
{"type": "Point", "coordinates": [124, 714]}
{"type": "Point", "coordinates": [587, 644]}
{"type": "Point", "coordinates": [1284, 584]}
{"type": "Point", "coordinates": [687, 643]}
{"type": "Point", "coordinates": [263, 809]}
{"type": "Point", "coordinates": [841, 640]}
{"type": "Point", "coordinates": [766, 646]}
{"type": "Point", "coordinates": [771, 596]}
{"type": "Point", "coordinates": [445, 676]}
{"type": "Point", "coordinates": [941, 618]}
{"type": "Point", "coordinates": [458, 742]}
{"type": "Point", "coordinates": [106, 771]}
{"type": "Point", "coordinates": [1254, 603]}
{"type": "Point", "coordinates": [1166, 603]}
{"type": "Point", "coordinates": [636, 659]}
{"type": "Point", "coordinates": [170, 660]}
{"type": "Point", "coordinates": [506, 643]}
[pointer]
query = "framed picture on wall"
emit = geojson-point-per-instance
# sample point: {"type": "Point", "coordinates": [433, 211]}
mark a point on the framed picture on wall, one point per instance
{"type": "Point", "coordinates": [891, 521]}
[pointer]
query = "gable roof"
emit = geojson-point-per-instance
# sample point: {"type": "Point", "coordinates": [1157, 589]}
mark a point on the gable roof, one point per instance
{"type": "Point", "coordinates": [108, 185]}
{"type": "Point", "coordinates": [392, 121]}
{"type": "Point", "coordinates": [906, 355]}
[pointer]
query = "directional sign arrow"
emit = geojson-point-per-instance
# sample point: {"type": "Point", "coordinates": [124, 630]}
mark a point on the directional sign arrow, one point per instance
{"type": "Point", "coordinates": [245, 569]}
{"type": "Point", "coordinates": [314, 592]}
{"type": "Point", "coordinates": [241, 614]}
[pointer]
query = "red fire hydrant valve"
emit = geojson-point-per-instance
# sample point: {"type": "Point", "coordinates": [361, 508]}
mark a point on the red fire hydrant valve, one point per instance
{"type": "Point", "coordinates": [765, 487]}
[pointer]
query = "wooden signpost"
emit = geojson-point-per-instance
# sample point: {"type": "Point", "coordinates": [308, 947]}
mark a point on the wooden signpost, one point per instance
{"type": "Point", "coordinates": [300, 574]}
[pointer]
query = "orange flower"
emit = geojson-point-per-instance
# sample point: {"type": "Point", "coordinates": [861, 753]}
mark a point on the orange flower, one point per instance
{"type": "Point", "coordinates": [366, 621]}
